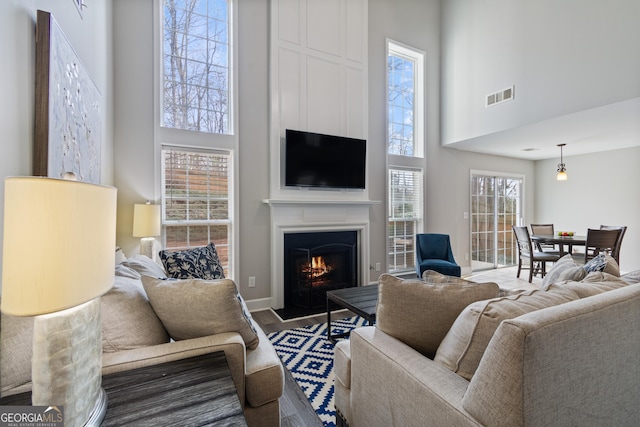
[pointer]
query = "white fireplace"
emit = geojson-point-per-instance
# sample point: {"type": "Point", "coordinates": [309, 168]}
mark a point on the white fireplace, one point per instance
{"type": "Point", "coordinates": [304, 216]}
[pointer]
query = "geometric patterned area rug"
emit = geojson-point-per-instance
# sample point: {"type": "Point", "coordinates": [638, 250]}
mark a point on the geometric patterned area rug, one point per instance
{"type": "Point", "coordinates": [308, 355]}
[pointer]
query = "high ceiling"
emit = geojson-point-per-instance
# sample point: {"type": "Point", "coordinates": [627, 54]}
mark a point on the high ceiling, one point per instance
{"type": "Point", "coordinates": [611, 127]}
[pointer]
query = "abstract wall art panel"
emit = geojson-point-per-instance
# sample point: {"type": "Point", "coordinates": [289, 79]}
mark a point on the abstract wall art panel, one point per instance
{"type": "Point", "coordinates": [68, 116]}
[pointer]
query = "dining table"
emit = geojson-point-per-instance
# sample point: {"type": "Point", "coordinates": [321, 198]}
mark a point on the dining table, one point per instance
{"type": "Point", "coordinates": [561, 241]}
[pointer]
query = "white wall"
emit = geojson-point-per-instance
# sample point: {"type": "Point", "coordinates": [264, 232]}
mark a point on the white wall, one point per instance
{"type": "Point", "coordinates": [90, 35]}
{"type": "Point", "coordinates": [602, 189]}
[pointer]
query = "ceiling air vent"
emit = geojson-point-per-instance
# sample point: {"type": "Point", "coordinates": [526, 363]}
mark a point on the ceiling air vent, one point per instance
{"type": "Point", "coordinates": [501, 96]}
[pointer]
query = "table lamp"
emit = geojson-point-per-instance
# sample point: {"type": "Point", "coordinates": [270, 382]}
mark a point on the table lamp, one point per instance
{"type": "Point", "coordinates": [146, 225]}
{"type": "Point", "coordinates": [59, 238]}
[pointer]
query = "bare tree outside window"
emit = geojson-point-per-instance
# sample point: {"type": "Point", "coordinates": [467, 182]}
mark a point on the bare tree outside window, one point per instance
{"type": "Point", "coordinates": [196, 48]}
{"type": "Point", "coordinates": [401, 72]}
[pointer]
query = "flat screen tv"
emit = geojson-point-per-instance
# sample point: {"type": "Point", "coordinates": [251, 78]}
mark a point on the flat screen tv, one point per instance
{"type": "Point", "coordinates": [324, 161]}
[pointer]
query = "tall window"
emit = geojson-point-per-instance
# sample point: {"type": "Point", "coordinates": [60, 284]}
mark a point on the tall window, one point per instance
{"type": "Point", "coordinates": [196, 61]}
{"type": "Point", "coordinates": [405, 112]}
{"type": "Point", "coordinates": [196, 134]}
{"type": "Point", "coordinates": [405, 214]}
{"type": "Point", "coordinates": [196, 198]}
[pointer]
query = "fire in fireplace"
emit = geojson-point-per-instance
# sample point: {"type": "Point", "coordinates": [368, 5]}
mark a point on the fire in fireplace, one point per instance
{"type": "Point", "coordinates": [318, 262]}
{"type": "Point", "coordinates": [315, 270]}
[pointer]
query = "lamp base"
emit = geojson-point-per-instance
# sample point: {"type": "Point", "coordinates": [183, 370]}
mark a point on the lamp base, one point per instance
{"type": "Point", "coordinates": [67, 363]}
{"type": "Point", "coordinates": [146, 247]}
{"type": "Point", "coordinates": [99, 410]}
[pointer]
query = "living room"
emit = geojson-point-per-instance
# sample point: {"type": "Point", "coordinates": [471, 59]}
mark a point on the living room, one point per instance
{"type": "Point", "coordinates": [115, 42]}
{"type": "Point", "coordinates": [578, 55]}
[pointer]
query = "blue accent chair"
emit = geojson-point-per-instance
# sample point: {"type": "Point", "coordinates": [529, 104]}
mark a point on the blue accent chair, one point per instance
{"type": "Point", "coordinates": [433, 252]}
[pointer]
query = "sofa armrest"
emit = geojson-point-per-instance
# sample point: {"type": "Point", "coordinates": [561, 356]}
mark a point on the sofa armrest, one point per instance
{"type": "Point", "coordinates": [229, 342]}
{"type": "Point", "coordinates": [392, 384]}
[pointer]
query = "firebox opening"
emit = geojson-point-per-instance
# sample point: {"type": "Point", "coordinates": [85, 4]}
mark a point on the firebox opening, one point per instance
{"type": "Point", "coordinates": [316, 263]}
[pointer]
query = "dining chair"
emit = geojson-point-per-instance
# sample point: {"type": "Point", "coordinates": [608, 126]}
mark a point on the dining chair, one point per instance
{"type": "Point", "coordinates": [598, 241]}
{"type": "Point", "coordinates": [526, 252]}
{"type": "Point", "coordinates": [623, 229]}
{"type": "Point", "coordinates": [546, 230]}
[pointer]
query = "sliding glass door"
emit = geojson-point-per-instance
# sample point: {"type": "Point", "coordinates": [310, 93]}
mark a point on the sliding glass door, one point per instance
{"type": "Point", "coordinates": [496, 206]}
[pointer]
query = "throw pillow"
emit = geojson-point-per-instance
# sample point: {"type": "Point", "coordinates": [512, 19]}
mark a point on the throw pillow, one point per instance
{"type": "Point", "coordinates": [463, 347]}
{"type": "Point", "coordinates": [631, 277]}
{"type": "Point", "coordinates": [431, 276]}
{"type": "Point", "coordinates": [124, 271]}
{"type": "Point", "coordinates": [196, 263]}
{"type": "Point", "coordinates": [128, 321]}
{"type": "Point", "coordinates": [586, 289]}
{"type": "Point", "coordinates": [563, 269]}
{"type": "Point", "coordinates": [419, 313]}
{"type": "Point", "coordinates": [603, 262]}
{"type": "Point", "coordinates": [192, 308]}
{"type": "Point", "coordinates": [601, 276]}
{"type": "Point", "coordinates": [145, 266]}
{"type": "Point", "coordinates": [120, 256]}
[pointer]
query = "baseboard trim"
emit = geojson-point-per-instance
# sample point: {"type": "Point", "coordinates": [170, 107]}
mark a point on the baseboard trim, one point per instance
{"type": "Point", "coordinates": [259, 304]}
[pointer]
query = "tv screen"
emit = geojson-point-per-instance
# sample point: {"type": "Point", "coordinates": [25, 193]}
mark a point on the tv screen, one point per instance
{"type": "Point", "coordinates": [325, 161]}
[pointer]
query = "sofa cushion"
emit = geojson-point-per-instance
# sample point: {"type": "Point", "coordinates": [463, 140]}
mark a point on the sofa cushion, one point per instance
{"type": "Point", "coordinates": [603, 262]}
{"type": "Point", "coordinates": [145, 266]}
{"type": "Point", "coordinates": [264, 374]}
{"type": "Point", "coordinates": [128, 321]}
{"type": "Point", "coordinates": [195, 263]}
{"type": "Point", "coordinates": [563, 269]}
{"type": "Point", "coordinates": [191, 308]}
{"type": "Point", "coordinates": [342, 362]}
{"type": "Point", "coordinates": [465, 343]}
{"type": "Point", "coordinates": [420, 313]}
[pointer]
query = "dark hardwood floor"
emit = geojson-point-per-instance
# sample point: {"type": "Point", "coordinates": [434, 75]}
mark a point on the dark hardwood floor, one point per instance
{"type": "Point", "coordinates": [295, 409]}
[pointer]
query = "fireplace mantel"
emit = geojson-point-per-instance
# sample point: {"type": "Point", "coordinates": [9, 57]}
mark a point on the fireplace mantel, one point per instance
{"type": "Point", "coordinates": [315, 215]}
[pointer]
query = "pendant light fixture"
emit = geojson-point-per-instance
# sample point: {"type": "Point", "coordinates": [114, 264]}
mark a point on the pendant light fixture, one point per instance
{"type": "Point", "coordinates": [562, 171]}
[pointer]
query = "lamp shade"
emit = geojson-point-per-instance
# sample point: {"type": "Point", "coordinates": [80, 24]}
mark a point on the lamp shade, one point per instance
{"type": "Point", "coordinates": [146, 220]}
{"type": "Point", "coordinates": [59, 238]}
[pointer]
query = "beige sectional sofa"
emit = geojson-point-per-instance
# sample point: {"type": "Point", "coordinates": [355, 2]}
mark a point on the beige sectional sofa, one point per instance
{"type": "Point", "coordinates": [136, 333]}
{"type": "Point", "coordinates": [565, 355]}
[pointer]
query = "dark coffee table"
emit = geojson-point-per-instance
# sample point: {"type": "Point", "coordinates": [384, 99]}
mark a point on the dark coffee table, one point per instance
{"type": "Point", "coordinates": [361, 300]}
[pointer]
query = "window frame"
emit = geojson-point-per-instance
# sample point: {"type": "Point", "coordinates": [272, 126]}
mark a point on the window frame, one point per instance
{"type": "Point", "coordinates": [401, 162]}
{"type": "Point", "coordinates": [416, 56]}
{"type": "Point", "coordinates": [190, 140]}
{"type": "Point", "coordinates": [417, 220]}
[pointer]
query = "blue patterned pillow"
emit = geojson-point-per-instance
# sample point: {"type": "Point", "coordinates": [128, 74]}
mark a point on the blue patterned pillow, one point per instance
{"type": "Point", "coordinates": [196, 263]}
{"type": "Point", "coordinates": [597, 263]}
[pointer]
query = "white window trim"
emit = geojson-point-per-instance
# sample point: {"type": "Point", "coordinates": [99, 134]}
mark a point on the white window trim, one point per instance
{"type": "Point", "coordinates": [399, 49]}
{"type": "Point", "coordinates": [190, 140]}
{"type": "Point", "coordinates": [415, 162]}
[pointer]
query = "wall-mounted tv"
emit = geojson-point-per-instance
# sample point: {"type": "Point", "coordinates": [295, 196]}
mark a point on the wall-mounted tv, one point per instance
{"type": "Point", "coordinates": [324, 161]}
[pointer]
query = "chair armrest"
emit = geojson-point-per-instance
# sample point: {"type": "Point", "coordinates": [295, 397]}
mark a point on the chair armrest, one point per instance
{"type": "Point", "coordinates": [229, 342]}
{"type": "Point", "coordinates": [392, 384]}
